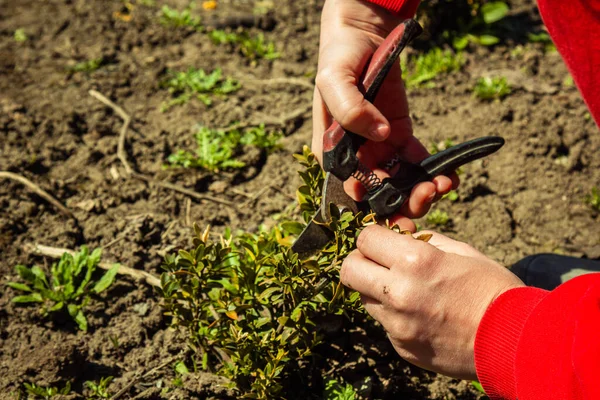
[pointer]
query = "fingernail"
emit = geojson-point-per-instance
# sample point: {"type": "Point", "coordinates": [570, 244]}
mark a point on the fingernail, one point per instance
{"type": "Point", "coordinates": [431, 197]}
{"type": "Point", "coordinates": [381, 131]}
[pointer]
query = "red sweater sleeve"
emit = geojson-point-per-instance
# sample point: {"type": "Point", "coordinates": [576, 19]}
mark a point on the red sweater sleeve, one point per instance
{"type": "Point", "coordinates": [534, 345]}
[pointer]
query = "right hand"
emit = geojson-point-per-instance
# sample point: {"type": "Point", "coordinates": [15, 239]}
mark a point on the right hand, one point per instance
{"type": "Point", "coordinates": [351, 31]}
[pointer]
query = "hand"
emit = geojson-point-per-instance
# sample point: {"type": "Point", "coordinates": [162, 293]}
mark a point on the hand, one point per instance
{"type": "Point", "coordinates": [429, 297]}
{"type": "Point", "coordinates": [351, 31]}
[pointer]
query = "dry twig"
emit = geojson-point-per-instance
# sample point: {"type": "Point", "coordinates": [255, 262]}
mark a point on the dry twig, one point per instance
{"type": "Point", "coordinates": [280, 122]}
{"type": "Point", "coordinates": [56, 252]}
{"type": "Point", "coordinates": [122, 155]}
{"type": "Point", "coordinates": [37, 190]}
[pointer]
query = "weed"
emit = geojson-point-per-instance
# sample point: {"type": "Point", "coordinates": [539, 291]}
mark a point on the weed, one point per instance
{"type": "Point", "coordinates": [183, 86]}
{"type": "Point", "coordinates": [593, 199]}
{"type": "Point", "coordinates": [335, 390]}
{"type": "Point", "coordinates": [431, 64]}
{"type": "Point", "coordinates": [88, 66]}
{"type": "Point", "coordinates": [251, 47]}
{"type": "Point", "coordinates": [249, 304]}
{"type": "Point", "coordinates": [20, 36]}
{"type": "Point", "coordinates": [178, 19]}
{"type": "Point", "coordinates": [544, 38]}
{"type": "Point", "coordinates": [437, 217]}
{"type": "Point", "coordinates": [441, 146]}
{"type": "Point", "coordinates": [216, 149]}
{"type": "Point", "coordinates": [69, 285]}
{"type": "Point", "coordinates": [99, 390]}
{"type": "Point", "coordinates": [34, 391]}
{"type": "Point", "coordinates": [480, 29]}
{"type": "Point", "coordinates": [488, 88]}
{"type": "Point", "coordinates": [451, 195]}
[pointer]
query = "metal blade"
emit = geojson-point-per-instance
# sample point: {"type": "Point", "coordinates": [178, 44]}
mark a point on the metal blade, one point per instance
{"type": "Point", "coordinates": [316, 235]}
{"type": "Point", "coordinates": [313, 238]}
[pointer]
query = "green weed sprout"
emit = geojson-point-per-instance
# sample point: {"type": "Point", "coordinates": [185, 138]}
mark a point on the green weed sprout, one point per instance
{"type": "Point", "coordinates": [251, 47]}
{"type": "Point", "coordinates": [593, 199]}
{"type": "Point", "coordinates": [488, 88]}
{"type": "Point", "coordinates": [88, 66]}
{"type": "Point", "coordinates": [437, 218]}
{"type": "Point", "coordinates": [428, 66]}
{"type": "Point", "coordinates": [184, 86]}
{"type": "Point", "coordinates": [99, 390]}
{"type": "Point", "coordinates": [248, 305]}
{"type": "Point", "coordinates": [335, 390]}
{"type": "Point", "coordinates": [20, 36]}
{"type": "Point", "coordinates": [69, 285]}
{"type": "Point", "coordinates": [34, 391]}
{"type": "Point", "coordinates": [216, 149]}
{"type": "Point", "coordinates": [178, 19]}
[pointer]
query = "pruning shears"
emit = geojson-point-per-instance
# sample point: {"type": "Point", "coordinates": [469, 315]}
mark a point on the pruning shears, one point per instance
{"type": "Point", "coordinates": [340, 161]}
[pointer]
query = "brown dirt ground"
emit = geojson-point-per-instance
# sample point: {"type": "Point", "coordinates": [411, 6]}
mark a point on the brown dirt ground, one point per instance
{"type": "Point", "coordinates": [526, 199]}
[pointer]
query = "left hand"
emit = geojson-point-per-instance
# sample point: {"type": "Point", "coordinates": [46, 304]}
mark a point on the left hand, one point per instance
{"type": "Point", "coordinates": [429, 297]}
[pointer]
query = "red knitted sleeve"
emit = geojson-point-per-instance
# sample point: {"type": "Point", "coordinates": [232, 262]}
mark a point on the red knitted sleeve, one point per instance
{"type": "Point", "coordinates": [404, 8]}
{"type": "Point", "coordinates": [539, 345]}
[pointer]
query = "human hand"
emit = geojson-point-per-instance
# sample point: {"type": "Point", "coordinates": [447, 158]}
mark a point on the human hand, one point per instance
{"type": "Point", "coordinates": [429, 297]}
{"type": "Point", "coordinates": [351, 31]}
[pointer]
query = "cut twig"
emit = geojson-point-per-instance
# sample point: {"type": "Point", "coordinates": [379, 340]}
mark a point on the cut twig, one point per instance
{"type": "Point", "coordinates": [55, 252]}
{"type": "Point", "coordinates": [126, 121]}
{"type": "Point", "coordinates": [37, 190]}
{"type": "Point", "coordinates": [122, 155]}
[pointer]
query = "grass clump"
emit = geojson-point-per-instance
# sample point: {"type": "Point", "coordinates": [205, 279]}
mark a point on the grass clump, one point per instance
{"type": "Point", "coordinates": [68, 287]}
{"type": "Point", "coordinates": [178, 19]}
{"type": "Point", "coordinates": [20, 36]}
{"type": "Point", "coordinates": [216, 149]}
{"type": "Point", "coordinates": [249, 306]}
{"type": "Point", "coordinates": [196, 83]}
{"type": "Point", "coordinates": [251, 47]}
{"type": "Point", "coordinates": [488, 88]}
{"type": "Point", "coordinates": [437, 217]}
{"type": "Point", "coordinates": [593, 199]}
{"type": "Point", "coordinates": [428, 66]}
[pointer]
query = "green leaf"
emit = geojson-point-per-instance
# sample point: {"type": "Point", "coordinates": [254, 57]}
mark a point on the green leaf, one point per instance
{"type": "Point", "coordinates": [39, 274]}
{"type": "Point", "coordinates": [181, 368]}
{"type": "Point", "coordinates": [487, 40]}
{"type": "Point", "coordinates": [494, 11]}
{"type": "Point", "coordinates": [25, 273]}
{"type": "Point", "coordinates": [19, 286]}
{"type": "Point", "coordinates": [30, 298]}
{"type": "Point", "coordinates": [478, 386]}
{"type": "Point", "coordinates": [460, 42]}
{"type": "Point", "coordinates": [292, 227]}
{"type": "Point", "coordinates": [107, 279]}
{"type": "Point", "coordinates": [77, 314]}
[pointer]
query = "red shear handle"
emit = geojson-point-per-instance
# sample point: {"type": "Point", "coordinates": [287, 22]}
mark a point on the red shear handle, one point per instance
{"type": "Point", "coordinates": [339, 151]}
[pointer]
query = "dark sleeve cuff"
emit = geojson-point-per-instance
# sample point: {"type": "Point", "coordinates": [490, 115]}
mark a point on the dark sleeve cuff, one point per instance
{"type": "Point", "coordinates": [404, 8]}
{"type": "Point", "coordinates": [498, 338]}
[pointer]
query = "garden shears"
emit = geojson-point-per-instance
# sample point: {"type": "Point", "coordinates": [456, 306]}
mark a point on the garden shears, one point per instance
{"type": "Point", "coordinates": [340, 160]}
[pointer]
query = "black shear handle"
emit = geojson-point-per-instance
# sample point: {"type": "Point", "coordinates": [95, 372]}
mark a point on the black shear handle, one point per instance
{"type": "Point", "coordinates": [393, 192]}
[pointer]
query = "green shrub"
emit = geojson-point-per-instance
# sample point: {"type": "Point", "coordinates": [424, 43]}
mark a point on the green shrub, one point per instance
{"type": "Point", "coordinates": [33, 391]}
{"type": "Point", "coordinates": [68, 287]}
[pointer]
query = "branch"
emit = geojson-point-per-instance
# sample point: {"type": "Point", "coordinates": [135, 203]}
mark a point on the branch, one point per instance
{"type": "Point", "coordinates": [37, 190]}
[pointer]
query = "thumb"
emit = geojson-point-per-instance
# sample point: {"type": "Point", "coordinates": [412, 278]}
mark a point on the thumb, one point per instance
{"type": "Point", "coordinates": [337, 82]}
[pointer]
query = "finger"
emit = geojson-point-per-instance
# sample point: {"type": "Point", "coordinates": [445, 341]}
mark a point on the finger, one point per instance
{"type": "Point", "coordinates": [404, 223]}
{"type": "Point", "coordinates": [420, 200]}
{"type": "Point", "coordinates": [365, 276]}
{"type": "Point", "coordinates": [449, 245]}
{"type": "Point", "coordinates": [337, 81]}
{"type": "Point", "coordinates": [374, 308]}
{"type": "Point", "coordinates": [386, 247]}
{"type": "Point", "coordinates": [321, 121]}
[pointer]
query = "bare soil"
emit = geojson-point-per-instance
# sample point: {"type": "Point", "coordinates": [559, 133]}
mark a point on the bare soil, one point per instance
{"type": "Point", "coordinates": [527, 199]}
